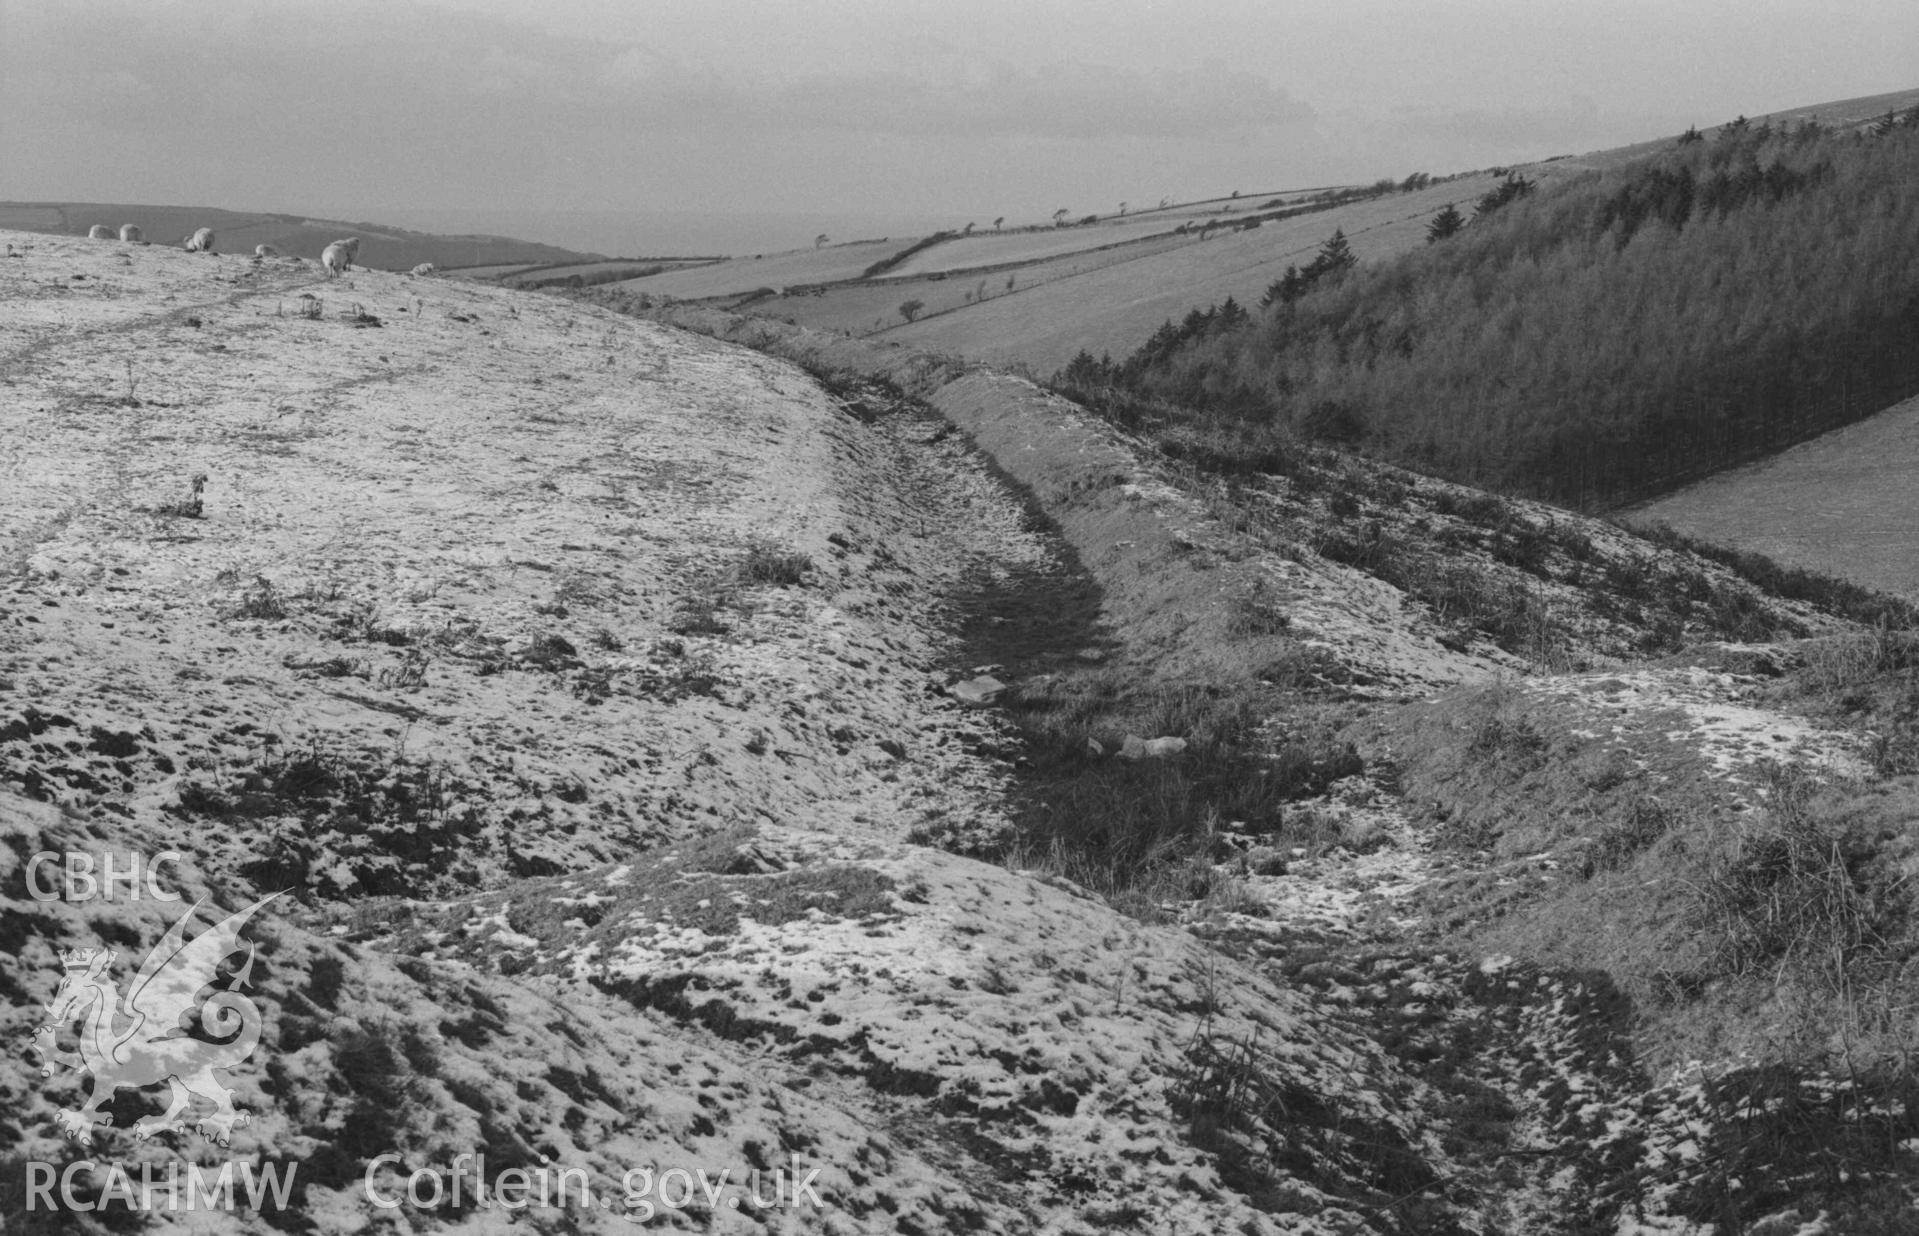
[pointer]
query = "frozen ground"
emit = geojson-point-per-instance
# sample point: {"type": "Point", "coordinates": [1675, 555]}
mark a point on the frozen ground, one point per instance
{"type": "Point", "coordinates": [585, 680]}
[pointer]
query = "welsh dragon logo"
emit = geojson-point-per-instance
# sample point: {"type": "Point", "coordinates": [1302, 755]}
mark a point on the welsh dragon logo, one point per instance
{"type": "Point", "coordinates": [153, 1045]}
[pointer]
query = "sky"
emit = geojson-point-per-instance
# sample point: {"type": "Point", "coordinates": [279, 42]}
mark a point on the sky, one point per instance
{"type": "Point", "coordinates": [655, 126]}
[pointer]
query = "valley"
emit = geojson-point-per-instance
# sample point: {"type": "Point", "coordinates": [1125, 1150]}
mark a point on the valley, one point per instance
{"type": "Point", "coordinates": [714, 720]}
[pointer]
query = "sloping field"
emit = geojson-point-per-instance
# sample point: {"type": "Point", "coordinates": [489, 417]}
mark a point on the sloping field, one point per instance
{"type": "Point", "coordinates": [514, 276]}
{"type": "Point", "coordinates": [1846, 503]}
{"type": "Point", "coordinates": [488, 272]}
{"type": "Point", "coordinates": [868, 306]}
{"type": "Point", "coordinates": [1114, 309]}
{"type": "Point", "coordinates": [989, 249]}
{"type": "Point", "coordinates": [1217, 207]}
{"type": "Point", "coordinates": [1842, 113]}
{"type": "Point", "coordinates": [775, 270]}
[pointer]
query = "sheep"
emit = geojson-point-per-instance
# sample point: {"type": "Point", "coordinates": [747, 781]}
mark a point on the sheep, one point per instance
{"type": "Point", "coordinates": [352, 246]}
{"type": "Point", "coordinates": [265, 251]}
{"type": "Point", "coordinates": [132, 235]}
{"type": "Point", "coordinates": [335, 257]}
{"type": "Point", "coordinates": [99, 231]}
{"type": "Point", "coordinates": [201, 241]}
{"type": "Point", "coordinates": [424, 268]}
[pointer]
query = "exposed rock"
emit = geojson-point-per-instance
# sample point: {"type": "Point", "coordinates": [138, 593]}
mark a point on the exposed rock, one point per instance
{"type": "Point", "coordinates": [1137, 748]}
{"type": "Point", "coordinates": [982, 690]}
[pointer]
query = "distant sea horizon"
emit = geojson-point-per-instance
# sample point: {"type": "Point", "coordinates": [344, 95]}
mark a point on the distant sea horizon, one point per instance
{"type": "Point", "coordinates": [655, 233]}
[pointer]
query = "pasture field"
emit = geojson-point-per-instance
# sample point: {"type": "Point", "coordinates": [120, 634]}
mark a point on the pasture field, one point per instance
{"type": "Point", "coordinates": [1114, 308]}
{"type": "Point", "coordinates": [999, 248]}
{"type": "Point", "coordinates": [738, 276]}
{"type": "Point", "coordinates": [943, 276]}
{"type": "Point", "coordinates": [494, 271]}
{"type": "Point", "coordinates": [845, 263]}
{"type": "Point", "coordinates": [1215, 207]}
{"type": "Point", "coordinates": [1028, 243]}
{"type": "Point", "coordinates": [861, 308]}
{"type": "Point", "coordinates": [516, 275]}
{"type": "Point", "coordinates": [1845, 503]}
{"type": "Point", "coordinates": [870, 307]}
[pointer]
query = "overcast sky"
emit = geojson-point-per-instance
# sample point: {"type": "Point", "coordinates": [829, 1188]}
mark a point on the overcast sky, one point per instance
{"type": "Point", "coordinates": [947, 110]}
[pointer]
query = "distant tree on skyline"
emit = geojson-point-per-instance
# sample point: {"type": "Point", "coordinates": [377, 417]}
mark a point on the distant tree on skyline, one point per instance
{"type": "Point", "coordinates": [1059, 217]}
{"type": "Point", "coordinates": [819, 241]}
{"type": "Point", "coordinates": [998, 221]}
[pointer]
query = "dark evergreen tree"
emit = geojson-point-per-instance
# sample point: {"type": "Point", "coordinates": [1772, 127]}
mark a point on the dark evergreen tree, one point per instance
{"type": "Point", "coordinates": [1335, 255]}
{"type": "Point", "coordinates": [1507, 191]}
{"type": "Point", "coordinates": [1446, 223]}
{"type": "Point", "coordinates": [1084, 372]}
{"type": "Point", "coordinates": [1284, 290]}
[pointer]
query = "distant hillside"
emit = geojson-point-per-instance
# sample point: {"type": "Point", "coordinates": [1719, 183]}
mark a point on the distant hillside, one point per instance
{"type": "Point", "coordinates": [1594, 341]}
{"type": "Point", "coordinates": [238, 231]}
{"type": "Point", "coordinates": [1036, 297]}
{"type": "Point", "coordinates": [1035, 294]}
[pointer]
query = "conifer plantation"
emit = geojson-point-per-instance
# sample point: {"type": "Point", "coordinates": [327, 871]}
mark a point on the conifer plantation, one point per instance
{"type": "Point", "coordinates": [1590, 342]}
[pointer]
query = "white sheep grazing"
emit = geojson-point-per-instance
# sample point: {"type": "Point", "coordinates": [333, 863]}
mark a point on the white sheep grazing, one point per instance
{"type": "Point", "coordinates": [424, 268]}
{"type": "Point", "coordinates": [201, 241]}
{"type": "Point", "coordinates": [335, 257]}
{"type": "Point", "coordinates": [99, 231]}
{"type": "Point", "coordinates": [132, 235]}
{"type": "Point", "coordinates": [352, 246]}
{"type": "Point", "coordinates": [265, 251]}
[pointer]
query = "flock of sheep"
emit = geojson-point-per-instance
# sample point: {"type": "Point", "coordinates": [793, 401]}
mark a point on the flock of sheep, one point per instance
{"type": "Point", "coordinates": [337, 258]}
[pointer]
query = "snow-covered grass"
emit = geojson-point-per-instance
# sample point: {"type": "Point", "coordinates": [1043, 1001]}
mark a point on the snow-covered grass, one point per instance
{"type": "Point", "coordinates": [610, 695]}
{"type": "Point", "coordinates": [1596, 800]}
